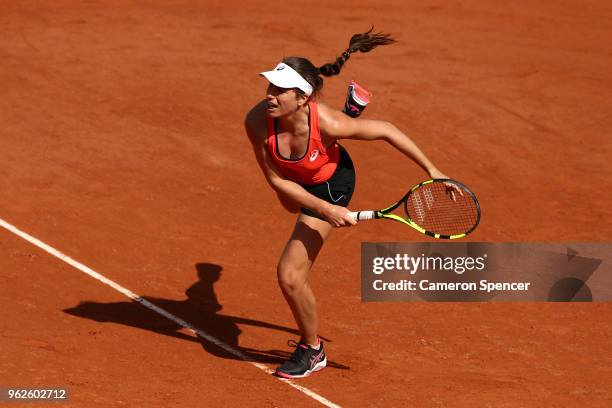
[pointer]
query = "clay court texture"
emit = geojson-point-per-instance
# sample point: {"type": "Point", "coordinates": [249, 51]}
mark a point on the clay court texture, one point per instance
{"type": "Point", "coordinates": [122, 146]}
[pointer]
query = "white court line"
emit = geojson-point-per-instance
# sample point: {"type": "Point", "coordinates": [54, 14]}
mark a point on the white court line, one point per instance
{"type": "Point", "coordinates": [157, 309]}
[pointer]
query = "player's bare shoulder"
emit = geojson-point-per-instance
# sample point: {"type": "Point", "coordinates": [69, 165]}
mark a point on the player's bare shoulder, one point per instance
{"type": "Point", "coordinates": [255, 122]}
{"type": "Point", "coordinates": [332, 122]}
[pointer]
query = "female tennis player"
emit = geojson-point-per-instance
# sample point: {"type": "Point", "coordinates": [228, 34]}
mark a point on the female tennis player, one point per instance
{"type": "Point", "coordinates": [295, 140]}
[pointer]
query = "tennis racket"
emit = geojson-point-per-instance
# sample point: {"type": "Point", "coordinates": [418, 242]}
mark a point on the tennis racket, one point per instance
{"type": "Point", "coordinates": [439, 208]}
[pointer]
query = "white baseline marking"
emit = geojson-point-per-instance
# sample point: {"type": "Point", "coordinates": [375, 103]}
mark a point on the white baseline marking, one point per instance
{"type": "Point", "coordinates": [157, 309]}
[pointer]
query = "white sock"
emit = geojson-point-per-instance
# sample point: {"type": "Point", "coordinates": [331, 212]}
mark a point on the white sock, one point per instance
{"type": "Point", "coordinates": [317, 347]}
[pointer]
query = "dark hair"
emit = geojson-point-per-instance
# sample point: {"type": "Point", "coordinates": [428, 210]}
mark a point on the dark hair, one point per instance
{"type": "Point", "coordinates": [364, 42]}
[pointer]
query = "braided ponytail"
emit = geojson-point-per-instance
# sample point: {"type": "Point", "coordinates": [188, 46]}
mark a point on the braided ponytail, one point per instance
{"type": "Point", "coordinates": [364, 42]}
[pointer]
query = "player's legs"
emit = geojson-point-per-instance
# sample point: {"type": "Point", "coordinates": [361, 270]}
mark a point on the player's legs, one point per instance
{"type": "Point", "coordinates": [293, 269]}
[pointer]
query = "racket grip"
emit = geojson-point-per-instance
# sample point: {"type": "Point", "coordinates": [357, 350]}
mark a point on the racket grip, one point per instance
{"type": "Point", "coordinates": [363, 215]}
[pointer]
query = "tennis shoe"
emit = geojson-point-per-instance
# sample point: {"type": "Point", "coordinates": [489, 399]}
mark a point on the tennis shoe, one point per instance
{"type": "Point", "coordinates": [356, 100]}
{"type": "Point", "coordinates": [304, 361]}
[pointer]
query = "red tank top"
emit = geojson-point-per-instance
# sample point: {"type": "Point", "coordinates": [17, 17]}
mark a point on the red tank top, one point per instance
{"type": "Point", "coordinates": [318, 163]}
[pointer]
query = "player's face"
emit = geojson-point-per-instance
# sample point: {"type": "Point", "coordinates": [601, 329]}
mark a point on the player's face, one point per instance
{"type": "Point", "coordinates": [283, 101]}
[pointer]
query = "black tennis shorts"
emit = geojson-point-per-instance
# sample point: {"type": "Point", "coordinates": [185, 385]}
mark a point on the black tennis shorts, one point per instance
{"type": "Point", "coordinates": [338, 190]}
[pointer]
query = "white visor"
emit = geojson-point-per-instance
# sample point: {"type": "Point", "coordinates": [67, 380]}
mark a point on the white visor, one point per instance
{"type": "Point", "coordinates": [284, 76]}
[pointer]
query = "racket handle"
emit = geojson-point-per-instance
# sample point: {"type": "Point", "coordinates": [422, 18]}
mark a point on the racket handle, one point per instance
{"type": "Point", "coordinates": [363, 215]}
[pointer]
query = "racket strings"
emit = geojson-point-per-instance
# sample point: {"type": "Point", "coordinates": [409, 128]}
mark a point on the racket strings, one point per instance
{"type": "Point", "coordinates": [431, 207]}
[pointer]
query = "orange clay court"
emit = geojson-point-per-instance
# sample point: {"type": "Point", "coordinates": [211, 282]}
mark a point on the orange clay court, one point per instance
{"type": "Point", "coordinates": [122, 146]}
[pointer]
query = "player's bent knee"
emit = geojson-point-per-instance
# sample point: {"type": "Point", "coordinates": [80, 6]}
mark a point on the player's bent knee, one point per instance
{"type": "Point", "coordinates": [288, 287]}
{"type": "Point", "coordinates": [290, 280]}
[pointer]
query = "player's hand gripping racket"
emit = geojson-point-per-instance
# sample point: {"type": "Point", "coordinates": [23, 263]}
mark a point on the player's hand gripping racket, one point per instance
{"type": "Point", "coordinates": [439, 208]}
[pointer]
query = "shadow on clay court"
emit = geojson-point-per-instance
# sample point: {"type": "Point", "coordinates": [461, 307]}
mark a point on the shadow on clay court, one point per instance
{"type": "Point", "coordinates": [200, 309]}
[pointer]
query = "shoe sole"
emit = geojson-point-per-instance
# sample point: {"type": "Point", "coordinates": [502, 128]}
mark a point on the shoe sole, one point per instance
{"type": "Point", "coordinates": [318, 367]}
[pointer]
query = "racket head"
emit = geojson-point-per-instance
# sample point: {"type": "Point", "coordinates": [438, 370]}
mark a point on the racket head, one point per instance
{"type": "Point", "coordinates": [431, 209]}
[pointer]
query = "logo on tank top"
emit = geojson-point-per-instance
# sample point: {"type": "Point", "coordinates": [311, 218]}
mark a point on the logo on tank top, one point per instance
{"type": "Point", "coordinates": [314, 155]}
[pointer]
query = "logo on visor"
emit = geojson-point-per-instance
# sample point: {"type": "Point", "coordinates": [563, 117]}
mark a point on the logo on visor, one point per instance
{"type": "Point", "coordinates": [280, 68]}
